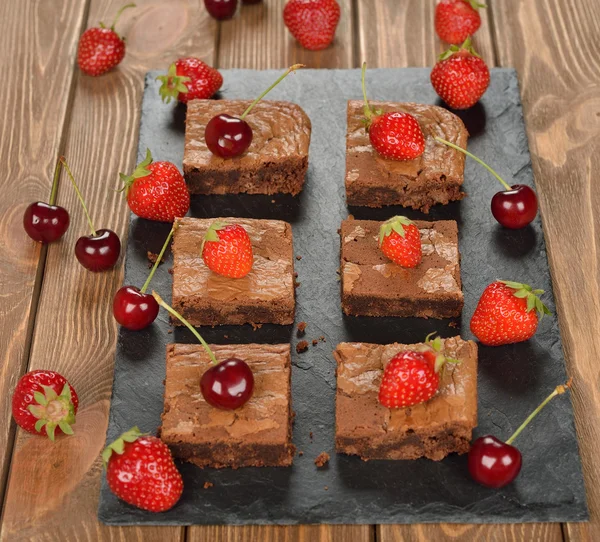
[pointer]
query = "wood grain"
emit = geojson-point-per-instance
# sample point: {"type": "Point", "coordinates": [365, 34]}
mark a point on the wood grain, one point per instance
{"type": "Point", "coordinates": [555, 49]}
{"type": "Point", "coordinates": [53, 490]}
{"type": "Point", "coordinates": [258, 39]}
{"type": "Point", "coordinates": [35, 109]}
{"type": "Point", "coordinates": [304, 533]}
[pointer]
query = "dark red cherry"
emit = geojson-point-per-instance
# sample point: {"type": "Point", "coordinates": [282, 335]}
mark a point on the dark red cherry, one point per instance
{"type": "Point", "coordinates": [227, 136]}
{"type": "Point", "coordinates": [221, 9]}
{"type": "Point", "coordinates": [133, 309]}
{"type": "Point", "coordinates": [493, 463]}
{"type": "Point", "coordinates": [98, 252]}
{"type": "Point", "coordinates": [45, 223]}
{"type": "Point", "coordinates": [227, 385]}
{"type": "Point", "coordinates": [515, 208]}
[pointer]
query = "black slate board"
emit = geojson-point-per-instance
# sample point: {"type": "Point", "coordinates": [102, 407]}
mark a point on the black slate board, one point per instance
{"type": "Point", "coordinates": [512, 379]}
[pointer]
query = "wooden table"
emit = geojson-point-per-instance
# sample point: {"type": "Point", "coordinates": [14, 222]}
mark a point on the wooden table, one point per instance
{"type": "Point", "coordinates": [56, 315]}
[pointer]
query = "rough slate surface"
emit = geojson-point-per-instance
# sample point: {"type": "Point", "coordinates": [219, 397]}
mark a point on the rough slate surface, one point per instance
{"type": "Point", "coordinates": [512, 379]}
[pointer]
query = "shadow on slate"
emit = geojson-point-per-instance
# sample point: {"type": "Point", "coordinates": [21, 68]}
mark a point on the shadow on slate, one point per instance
{"type": "Point", "coordinates": [512, 379]}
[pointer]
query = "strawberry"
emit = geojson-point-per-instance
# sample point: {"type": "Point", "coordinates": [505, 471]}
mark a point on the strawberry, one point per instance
{"type": "Point", "coordinates": [101, 49]}
{"type": "Point", "coordinates": [140, 470]}
{"type": "Point", "coordinates": [227, 250]}
{"type": "Point", "coordinates": [456, 20]}
{"type": "Point", "coordinates": [460, 76]}
{"type": "Point", "coordinates": [189, 79]}
{"type": "Point", "coordinates": [312, 22]}
{"type": "Point", "coordinates": [156, 190]}
{"type": "Point", "coordinates": [413, 376]}
{"type": "Point", "coordinates": [505, 313]}
{"type": "Point", "coordinates": [400, 241]}
{"type": "Point", "coordinates": [44, 403]}
{"type": "Point", "coordinates": [395, 135]}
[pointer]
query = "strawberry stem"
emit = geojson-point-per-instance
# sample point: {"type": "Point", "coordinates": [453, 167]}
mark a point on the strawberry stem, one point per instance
{"type": "Point", "coordinates": [55, 183]}
{"type": "Point", "coordinates": [478, 160]}
{"type": "Point", "coordinates": [112, 26]}
{"type": "Point", "coordinates": [557, 391]}
{"type": "Point", "coordinates": [173, 312]}
{"type": "Point", "coordinates": [281, 78]}
{"type": "Point", "coordinates": [85, 209]}
{"type": "Point", "coordinates": [159, 258]}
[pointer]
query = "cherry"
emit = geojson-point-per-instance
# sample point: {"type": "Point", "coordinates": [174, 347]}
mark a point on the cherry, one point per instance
{"type": "Point", "coordinates": [100, 250]}
{"type": "Point", "coordinates": [494, 463]}
{"type": "Point", "coordinates": [46, 222]}
{"type": "Point", "coordinates": [227, 385]}
{"type": "Point", "coordinates": [133, 308]}
{"type": "Point", "coordinates": [227, 136]}
{"type": "Point", "coordinates": [221, 9]}
{"type": "Point", "coordinates": [516, 206]}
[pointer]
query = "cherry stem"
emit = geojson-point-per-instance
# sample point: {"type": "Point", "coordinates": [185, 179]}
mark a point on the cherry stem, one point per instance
{"type": "Point", "coordinates": [281, 78]}
{"type": "Point", "coordinates": [132, 5]}
{"type": "Point", "coordinates": [558, 391]}
{"type": "Point", "coordinates": [55, 183]}
{"type": "Point", "coordinates": [478, 160]}
{"type": "Point", "coordinates": [367, 108]}
{"type": "Point", "coordinates": [159, 258]}
{"type": "Point", "coordinates": [172, 311]}
{"type": "Point", "coordinates": [85, 210]}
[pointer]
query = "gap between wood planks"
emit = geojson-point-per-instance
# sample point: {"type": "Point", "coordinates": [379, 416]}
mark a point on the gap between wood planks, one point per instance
{"type": "Point", "coordinates": [41, 267]}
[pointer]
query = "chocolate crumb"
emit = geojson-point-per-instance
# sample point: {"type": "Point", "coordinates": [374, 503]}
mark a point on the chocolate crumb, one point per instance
{"type": "Point", "coordinates": [255, 326]}
{"type": "Point", "coordinates": [300, 453]}
{"type": "Point", "coordinates": [207, 485]}
{"type": "Point", "coordinates": [322, 338]}
{"type": "Point", "coordinates": [310, 435]}
{"type": "Point", "coordinates": [170, 271]}
{"type": "Point", "coordinates": [170, 331]}
{"type": "Point", "coordinates": [153, 256]}
{"type": "Point", "coordinates": [322, 459]}
{"type": "Point", "coordinates": [302, 346]}
{"type": "Point", "coordinates": [453, 324]}
{"type": "Point", "coordinates": [301, 328]}
{"type": "Point", "coordinates": [326, 488]}
{"type": "Point", "coordinates": [226, 336]}
{"type": "Point", "coordinates": [315, 342]}
{"type": "Point", "coordinates": [298, 258]}
{"type": "Point", "coordinates": [296, 275]}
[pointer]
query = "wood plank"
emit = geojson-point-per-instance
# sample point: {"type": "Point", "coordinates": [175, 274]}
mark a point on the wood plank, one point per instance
{"type": "Point", "coordinates": [53, 490]}
{"type": "Point", "coordinates": [257, 39]}
{"type": "Point", "coordinates": [30, 139]}
{"type": "Point", "coordinates": [270, 533]}
{"type": "Point", "coordinates": [531, 532]}
{"type": "Point", "coordinates": [554, 46]}
{"type": "Point", "coordinates": [394, 22]}
{"type": "Point", "coordinates": [393, 34]}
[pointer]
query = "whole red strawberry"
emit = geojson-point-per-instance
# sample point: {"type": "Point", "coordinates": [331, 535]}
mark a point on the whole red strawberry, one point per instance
{"type": "Point", "coordinates": [44, 403]}
{"type": "Point", "coordinates": [400, 241]}
{"type": "Point", "coordinates": [456, 20]}
{"type": "Point", "coordinates": [460, 76]}
{"type": "Point", "coordinates": [312, 22]}
{"type": "Point", "coordinates": [227, 250]}
{"type": "Point", "coordinates": [412, 376]}
{"type": "Point", "coordinates": [395, 135]}
{"type": "Point", "coordinates": [507, 313]}
{"type": "Point", "coordinates": [101, 49]}
{"type": "Point", "coordinates": [140, 470]}
{"type": "Point", "coordinates": [189, 79]}
{"type": "Point", "coordinates": [156, 190]}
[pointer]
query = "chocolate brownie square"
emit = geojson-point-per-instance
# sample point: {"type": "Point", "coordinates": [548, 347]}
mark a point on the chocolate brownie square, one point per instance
{"type": "Point", "coordinates": [265, 295]}
{"type": "Point", "coordinates": [259, 434]}
{"type": "Point", "coordinates": [372, 285]}
{"type": "Point", "coordinates": [433, 429]}
{"type": "Point", "coordinates": [276, 161]}
{"type": "Point", "coordinates": [434, 177]}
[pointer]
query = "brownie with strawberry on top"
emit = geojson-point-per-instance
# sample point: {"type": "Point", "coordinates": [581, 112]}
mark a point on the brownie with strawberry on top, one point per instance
{"type": "Point", "coordinates": [412, 273]}
{"type": "Point", "coordinates": [233, 271]}
{"type": "Point", "coordinates": [431, 175]}
{"type": "Point", "coordinates": [384, 412]}
{"type": "Point", "coordinates": [258, 434]}
{"type": "Point", "coordinates": [275, 162]}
